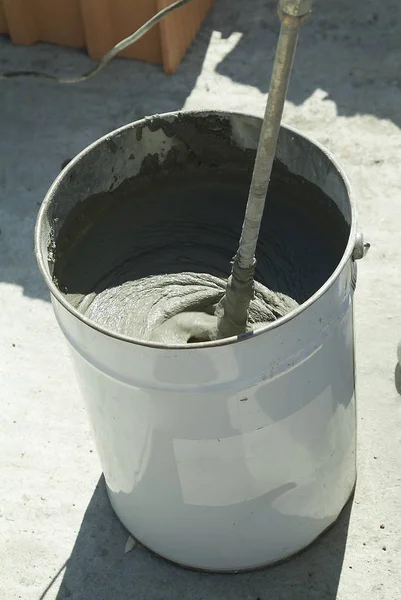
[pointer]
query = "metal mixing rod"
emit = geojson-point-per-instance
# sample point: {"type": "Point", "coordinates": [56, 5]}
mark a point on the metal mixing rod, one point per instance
{"type": "Point", "coordinates": [232, 311]}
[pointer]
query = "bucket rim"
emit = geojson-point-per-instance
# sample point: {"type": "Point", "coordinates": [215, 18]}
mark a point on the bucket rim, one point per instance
{"type": "Point", "coordinates": [61, 299]}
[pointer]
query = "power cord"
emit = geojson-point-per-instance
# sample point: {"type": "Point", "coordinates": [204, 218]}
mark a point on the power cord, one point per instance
{"type": "Point", "coordinates": [131, 39]}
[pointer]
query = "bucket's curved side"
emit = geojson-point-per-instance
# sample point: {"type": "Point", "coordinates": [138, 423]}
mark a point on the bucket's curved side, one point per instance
{"type": "Point", "coordinates": [233, 475]}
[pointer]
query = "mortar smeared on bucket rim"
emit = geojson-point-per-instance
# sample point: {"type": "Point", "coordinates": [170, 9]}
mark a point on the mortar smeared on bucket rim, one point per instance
{"type": "Point", "coordinates": [354, 245]}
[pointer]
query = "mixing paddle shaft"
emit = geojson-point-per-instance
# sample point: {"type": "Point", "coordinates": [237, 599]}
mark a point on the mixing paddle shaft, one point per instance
{"type": "Point", "coordinates": [232, 310]}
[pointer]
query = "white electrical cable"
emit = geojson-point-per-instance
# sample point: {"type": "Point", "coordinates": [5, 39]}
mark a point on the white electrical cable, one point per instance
{"type": "Point", "coordinates": [131, 39]}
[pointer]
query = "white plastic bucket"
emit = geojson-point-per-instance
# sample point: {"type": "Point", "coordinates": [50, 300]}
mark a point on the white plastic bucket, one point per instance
{"type": "Point", "coordinates": [225, 455]}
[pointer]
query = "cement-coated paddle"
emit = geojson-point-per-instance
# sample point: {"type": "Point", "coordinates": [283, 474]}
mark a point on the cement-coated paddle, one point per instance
{"type": "Point", "coordinates": [232, 311]}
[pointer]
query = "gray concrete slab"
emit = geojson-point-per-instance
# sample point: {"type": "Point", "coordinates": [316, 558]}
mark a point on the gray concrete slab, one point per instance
{"type": "Point", "coordinates": [59, 538]}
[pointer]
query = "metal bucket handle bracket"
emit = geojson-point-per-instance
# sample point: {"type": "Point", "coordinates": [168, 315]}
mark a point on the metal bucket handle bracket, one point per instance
{"type": "Point", "coordinates": [361, 248]}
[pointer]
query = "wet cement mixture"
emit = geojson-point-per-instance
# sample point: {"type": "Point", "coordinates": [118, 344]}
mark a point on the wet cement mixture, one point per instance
{"type": "Point", "coordinates": [150, 259]}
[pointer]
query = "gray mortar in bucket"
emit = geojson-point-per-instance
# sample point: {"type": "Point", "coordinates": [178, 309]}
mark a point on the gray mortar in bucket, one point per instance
{"type": "Point", "coordinates": [150, 259]}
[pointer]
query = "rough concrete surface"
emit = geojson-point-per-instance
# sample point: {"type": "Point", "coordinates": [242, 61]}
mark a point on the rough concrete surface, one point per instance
{"type": "Point", "coordinates": [59, 537]}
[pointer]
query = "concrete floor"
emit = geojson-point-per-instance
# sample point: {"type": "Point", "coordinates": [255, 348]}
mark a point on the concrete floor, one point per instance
{"type": "Point", "coordinates": [59, 538]}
